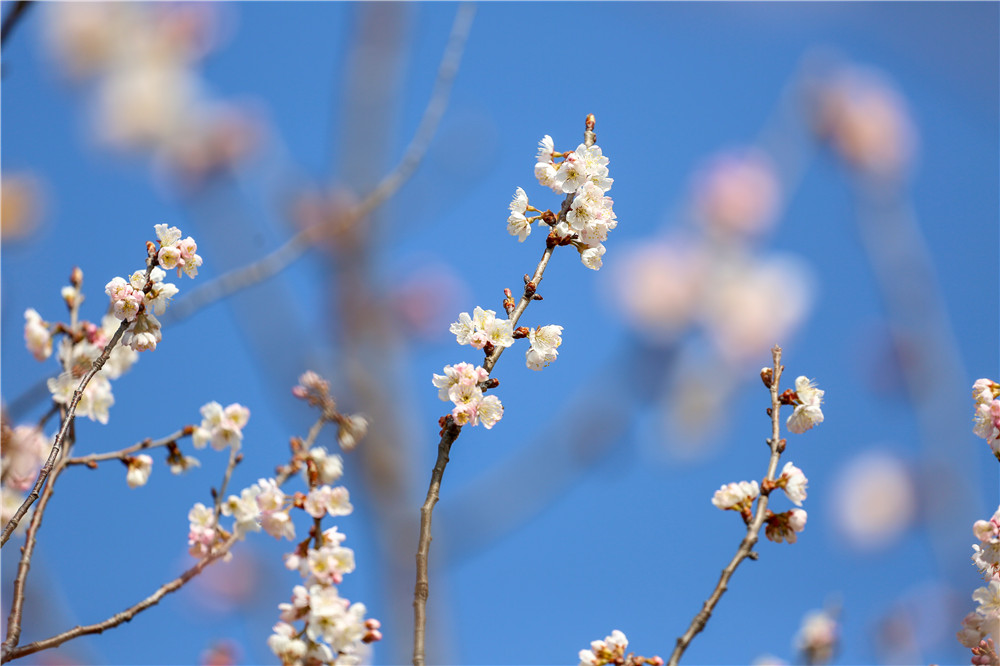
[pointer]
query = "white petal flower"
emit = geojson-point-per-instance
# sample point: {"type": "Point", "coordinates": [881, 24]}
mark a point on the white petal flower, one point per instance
{"type": "Point", "coordinates": [500, 332]}
{"type": "Point", "coordinates": [490, 411]}
{"type": "Point", "coordinates": [463, 328]}
{"type": "Point", "coordinates": [139, 468]}
{"type": "Point", "coordinates": [519, 204]}
{"type": "Point", "coordinates": [736, 495]}
{"type": "Point", "coordinates": [591, 257]}
{"type": "Point", "coordinates": [517, 225]}
{"type": "Point", "coordinates": [794, 483]}
{"type": "Point", "coordinates": [545, 149]}
{"type": "Point", "coordinates": [545, 338]}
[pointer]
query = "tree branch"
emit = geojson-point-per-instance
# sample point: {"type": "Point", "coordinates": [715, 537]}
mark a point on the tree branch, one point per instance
{"type": "Point", "coordinates": [94, 458]}
{"type": "Point", "coordinates": [753, 529]}
{"type": "Point", "coordinates": [61, 435]}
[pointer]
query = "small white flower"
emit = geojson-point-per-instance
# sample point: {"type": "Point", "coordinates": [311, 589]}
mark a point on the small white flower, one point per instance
{"type": "Point", "coordinates": [139, 469]}
{"type": "Point", "coordinates": [736, 496]}
{"type": "Point", "coordinates": [463, 328]}
{"type": "Point", "coordinates": [352, 429]}
{"type": "Point", "coordinates": [807, 414]}
{"type": "Point", "coordinates": [794, 483]}
{"type": "Point", "coordinates": [591, 257]}
{"type": "Point", "coordinates": [490, 411]}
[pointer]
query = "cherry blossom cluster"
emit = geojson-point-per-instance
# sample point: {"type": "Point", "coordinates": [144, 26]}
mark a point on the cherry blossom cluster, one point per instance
{"type": "Point", "coordinates": [984, 622]}
{"type": "Point", "coordinates": [986, 393]}
{"type": "Point", "coordinates": [582, 173]}
{"type": "Point", "coordinates": [484, 330]}
{"type": "Point", "coordinates": [221, 427]}
{"type": "Point", "coordinates": [137, 299]}
{"type": "Point", "coordinates": [612, 651]}
{"type": "Point", "coordinates": [82, 343]}
{"type": "Point", "coordinates": [461, 384]}
{"type": "Point", "coordinates": [334, 630]}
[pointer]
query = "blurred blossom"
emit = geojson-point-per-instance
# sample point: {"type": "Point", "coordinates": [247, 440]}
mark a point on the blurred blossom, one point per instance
{"type": "Point", "coordinates": [658, 286]}
{"type": "Point", "coordinates": [25, 449]}
{"type": "Point", "coordinates": [874, 500]}
{"type": "Point", "coordinates": [866, 121]}
{"type": "Point", "coordinates": [426, 297]}
{"type": "Point", "coordinates": [737, 194]}
{"type": "Point", "coordinates": [149, 96]}
{"type": "Point", "coordinates": [221, 653]}
{"type": "Point", "coordinates": [817, 637]}
{"type": "Point", "coordinates": [20, 203]}
{"type": "Point", "coordinates": [752, 304]}
{"type": "Point", "coordinates": [768, 660]}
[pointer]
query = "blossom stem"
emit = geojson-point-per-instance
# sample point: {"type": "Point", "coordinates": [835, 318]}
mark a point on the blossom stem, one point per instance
{"type": "Point", "coordinates": [67, 423]}
{"type": "Point", "coordinates": [448, 436]}
{"type": "Point", "coordinates": [745, 549]}
{"type": "Point", "coordinates": [94, 458]}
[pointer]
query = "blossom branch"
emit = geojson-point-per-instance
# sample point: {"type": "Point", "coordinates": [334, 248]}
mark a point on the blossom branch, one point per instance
{"type": "Point", "coordinates": [67, 423]}
{"type": "Point", "coordinates": [279, 259]}
{"type": "Point", "coordinates": [745, 549]}
{"type": "Point", "coordinates": [449, 434]}
{"type": "Point", "coordinates": [450, 430]}
{"type": "Point", "coordinates": [92, 459]}
{"type": "Point", "coordinates": [127, 614]}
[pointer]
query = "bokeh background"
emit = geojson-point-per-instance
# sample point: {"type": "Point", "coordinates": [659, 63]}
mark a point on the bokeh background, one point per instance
{"type": "Point", "coordinates": [823, 175]}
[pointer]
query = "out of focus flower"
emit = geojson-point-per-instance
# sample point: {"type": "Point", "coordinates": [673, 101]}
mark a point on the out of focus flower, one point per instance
{"type": "Point", "coordinates": [875, 500]}
{"type": "Point", "coordinates": [20, 205]}
{"type": "Point", "coordinates": [736, 194]}
{"type": "Point", "coordinates": [817, 637]}
{"type": "Point", "coordinates": [866, 121]}
{"type": "Point", "coordinates": [36, 335]}
{"type": "Point", "coordinates": [25, 449]}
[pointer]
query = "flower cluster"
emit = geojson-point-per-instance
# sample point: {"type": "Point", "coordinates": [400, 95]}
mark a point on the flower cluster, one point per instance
{"type": "Point", "coordinates": [984, 622]}
{"type": "Point", "coordinates": [221, 427]}
{"type": "Point", "coordinates": [544, 343]}
{"type": "Point", "coordinates": [260, 506]}
{"type": "Point", "coordinates": [807, 402]}
{"type": "Point", "coordinates": [461, 384]}
{"type": "Point", "coordinates": [482, 328]}
{"type": "Point", "coordinates": [612, 651]}
{"type": "Point", "coordinates": [77, 360]}
{"type": "Point", "coordinates": [137, 299]}
{"type": "Point", "coordinates": [987, 418]}
{"type": "Point", "coordinates": [582, 173]}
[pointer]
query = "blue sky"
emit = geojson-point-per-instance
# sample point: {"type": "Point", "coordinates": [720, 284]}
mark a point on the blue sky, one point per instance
{"type": "Point", "coordinates": [561, 553]}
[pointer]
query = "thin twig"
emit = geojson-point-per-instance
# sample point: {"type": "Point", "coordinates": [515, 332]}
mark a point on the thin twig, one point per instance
{"type": "Point", "coordinates": [67, 423]}
{"type": "Point", "coordinates": [753, 529]}
{"type": "Point", "coordinates": [93, 458]}
{"type": "Point", "coordinates": [31, 539]}
{"type": "Point", "coordinates": [450, 433]}
{"type": "Point", "coordinates": [282, 257]}
{"type": "Point", "coordinates": [448, 436]}
{"type": "Point", "coordinates": [234, 459]}
{"type": "Point", "coordinates": [127, 614]}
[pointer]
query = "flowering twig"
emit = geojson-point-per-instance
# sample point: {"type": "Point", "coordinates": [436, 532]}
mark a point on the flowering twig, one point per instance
{"type": "Point", "coordinates": [67, 423]}
{"type": "Point", "coordinates": [127, 614]}
{"type": "Point", "coordinates": [450, 430]}
{"type": "Point", "coordinates": [745, 550]}
{"type": "Point", "coordinates": [283, 256]}
{"type": "Point", "coordinates": [92, 459]}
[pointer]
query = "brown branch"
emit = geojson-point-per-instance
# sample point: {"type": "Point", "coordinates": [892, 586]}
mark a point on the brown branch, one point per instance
{"type": "Point", "coordinates": [67, 423]}
{"type": "Point", "coordinates": [448, 436]}
{"type": "Point", "coordinates": [450, 433]}
{"type": "Point", "coordinates": [94, 458]}
{"type": "Point", "coordinates": [753, 529]}
{"type": "Point", "coordinates": [127, 614]}
{"type": "Point", "coordinates": [279, 259]}
{"type": "Point", "coordinates": [30, 541]}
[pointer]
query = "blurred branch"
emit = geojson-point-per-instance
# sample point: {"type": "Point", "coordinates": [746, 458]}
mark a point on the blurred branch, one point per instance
{"type": "Point", "coordinates": [282, 257]}
{"type": "Point", "coordinates": [745, 550]}
{"type": "Point", "coordinates": [12, 18]}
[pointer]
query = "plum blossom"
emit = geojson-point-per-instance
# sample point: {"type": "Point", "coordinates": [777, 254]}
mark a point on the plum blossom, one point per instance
{"type": "Point", "coordinates": [517, 223]}
{"type": "Point", "coordinates": [482, 327]}
{"type": "Point", "coordinates": [139, 468]}
{"type": "Point", "coordinates": [793, 482]}
{"type": "Point", "coordinates": [545, 341]}
{"type": "Point", "coordinates": [736, 496]}
{"type": "Point", "coordinates": [352, 429]}
{"type": "Point", "coordinates": [221, 427]}
{"type": "Point", "coordinates": [785, 526]}
{"type": "Point", "coordinates": [807, 412]}
{"type": "Point", "coordinates": [987, 415]}
{"type": "Point", "coordinates": [460, 384]}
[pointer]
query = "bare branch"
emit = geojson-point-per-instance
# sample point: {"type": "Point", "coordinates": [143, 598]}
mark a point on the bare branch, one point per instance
{"type": "Point", "coordinates": [94, 458]}
{"type": "Point", "coordinates": [753, 529]}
